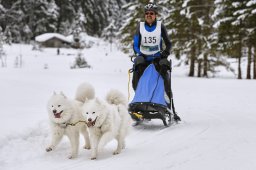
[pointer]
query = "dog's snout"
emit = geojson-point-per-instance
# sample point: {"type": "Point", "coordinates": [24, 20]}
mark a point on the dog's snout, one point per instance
{"type": "Point", "coordinates": [89, 119]}
{"type": "Point", "coordinates": [54, 111]}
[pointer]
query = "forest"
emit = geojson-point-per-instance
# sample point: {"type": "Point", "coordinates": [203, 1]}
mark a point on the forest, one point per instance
{"type": "Point", "coordinates": [209, 33]}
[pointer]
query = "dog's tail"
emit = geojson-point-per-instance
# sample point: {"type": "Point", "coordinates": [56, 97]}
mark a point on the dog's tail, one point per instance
{"type": "Point", "coordinates": [116, 97]}
{"type": "Point", "coordinates": [85, 91]}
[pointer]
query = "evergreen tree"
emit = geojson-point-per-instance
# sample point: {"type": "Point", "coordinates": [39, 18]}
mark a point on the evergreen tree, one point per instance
{"type": "Point", "coordinates": [26, 19]}
{"type": "Point", "coordinates": [177, 25]}
{"type": "Point", "coordinates": [65, 19]}
{"type": "Point", "coordinates": [231, 30]}
{"type": "Point", "coordinates": [250, 22]}
{"type": "Point", "coordinates": [193, 13]}
{"type": "Point", "coordinates": [134, 13]}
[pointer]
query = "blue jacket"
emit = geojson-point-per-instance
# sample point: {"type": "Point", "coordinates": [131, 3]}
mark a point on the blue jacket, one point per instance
{"type": "Point", "coordinates": [137, 40]}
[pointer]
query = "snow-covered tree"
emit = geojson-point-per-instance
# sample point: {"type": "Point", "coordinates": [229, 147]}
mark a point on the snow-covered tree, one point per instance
{"type": "Point", "coordinates": [67, 14]}
{"type": "Point", "coordinates": [250, 15]}
{"type": "Point", "coordinates": [115, 19]}
{"type": "Point", "coordinates": [26, 19]}
{"type": "Point", "coordinates": [133, 13]}
{"type": "Point", "coordinates": [195, 29]}
{"type": "Point", "coordinates": [236, 29]}
{"type": "Point", "coordinates": [177, 25]}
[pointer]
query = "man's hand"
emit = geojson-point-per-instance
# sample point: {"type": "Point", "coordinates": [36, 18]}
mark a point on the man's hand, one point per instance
{"type": "Point", "coordinates": [140, 55]}
{"type": "Point", "coordinates": [165, 54]}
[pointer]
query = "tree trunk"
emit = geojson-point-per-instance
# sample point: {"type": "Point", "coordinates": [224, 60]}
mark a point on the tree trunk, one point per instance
{"type": "Point", "coordinates": [239, 68]}
{"type": "Point", "coordinates": [254, 63]}
{"type": "Point", "coordinates": [205, 65]}
{"type": "Point", "coordinates": [239, 62]}
{"type": "Point", "coordinates": [248, 76]}
{"type": "Point", "coordinates": [192, 62]}
{"type": "Point", "coordinates": [199, 68]}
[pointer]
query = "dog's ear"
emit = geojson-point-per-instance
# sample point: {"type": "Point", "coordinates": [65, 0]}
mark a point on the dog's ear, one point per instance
{"type": "Point", "coordinates": [61, 93]}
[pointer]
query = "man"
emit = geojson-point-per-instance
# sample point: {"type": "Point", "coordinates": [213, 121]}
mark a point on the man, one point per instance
{"type": "Point", "coordinates": [147, 46]}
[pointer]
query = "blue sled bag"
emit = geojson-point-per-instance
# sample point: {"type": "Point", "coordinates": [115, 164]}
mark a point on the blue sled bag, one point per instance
{"type": "Point", "coordinates": [150, 88]}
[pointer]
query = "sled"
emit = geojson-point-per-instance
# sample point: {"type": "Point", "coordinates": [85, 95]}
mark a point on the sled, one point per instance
{"type": "Point", "coordinates": [149, 101]}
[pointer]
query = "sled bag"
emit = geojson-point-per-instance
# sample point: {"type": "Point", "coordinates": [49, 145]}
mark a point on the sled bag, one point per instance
{"type": "Point", "coordinates": [150, 87]}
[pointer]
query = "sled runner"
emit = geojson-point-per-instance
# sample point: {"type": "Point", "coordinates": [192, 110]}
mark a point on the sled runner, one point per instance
{"type": "Point", "coordinates": [149, 100]}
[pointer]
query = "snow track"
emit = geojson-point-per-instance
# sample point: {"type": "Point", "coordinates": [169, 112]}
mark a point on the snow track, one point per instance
{"type": "Point", "coordinates": [217, 131]}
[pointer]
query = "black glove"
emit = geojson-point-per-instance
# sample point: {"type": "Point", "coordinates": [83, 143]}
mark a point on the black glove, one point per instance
{"type": "Point", "coordinates": [164, 62]}
{"type": "Point", "coordinates": [140, 55]}
{"type": "Point", "coordinates": [165, 54]}
{"type": "Point", "coordinates": [139, 60]}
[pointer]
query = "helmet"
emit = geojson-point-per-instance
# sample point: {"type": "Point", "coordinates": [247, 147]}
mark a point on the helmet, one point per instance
{"type": "Point", "coordinates": [150, 7]}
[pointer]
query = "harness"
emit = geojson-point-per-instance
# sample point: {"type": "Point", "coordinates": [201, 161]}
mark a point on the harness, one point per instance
{"type": "Point", "coordinates": [64, 125]}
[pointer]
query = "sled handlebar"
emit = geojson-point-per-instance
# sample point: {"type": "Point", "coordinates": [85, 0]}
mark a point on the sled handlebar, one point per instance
{"type": "Point", "coordinates": [170, 64]}
{"type": "Point", "coordinates": [132, 58]}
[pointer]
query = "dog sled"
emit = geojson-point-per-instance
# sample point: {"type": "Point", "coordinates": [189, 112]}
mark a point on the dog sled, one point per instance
{"type": "Point", "coordinates": [150, 102]}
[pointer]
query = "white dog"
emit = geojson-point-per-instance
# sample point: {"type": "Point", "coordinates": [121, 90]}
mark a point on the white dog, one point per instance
{"type": "Point", "coordinates": [66, 118]}
{"type": "Point", "coordinates": [106, 121]}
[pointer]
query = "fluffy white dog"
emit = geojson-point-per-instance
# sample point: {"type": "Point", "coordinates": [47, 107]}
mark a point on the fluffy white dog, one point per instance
{"type": "Point", "coordinates": [106, 121]}
{"type": "Point", "coordinates": [66, 118]}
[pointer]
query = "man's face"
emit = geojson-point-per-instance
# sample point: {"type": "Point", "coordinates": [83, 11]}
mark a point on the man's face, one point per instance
{"type": "Point", "coordinates": [150, 17]}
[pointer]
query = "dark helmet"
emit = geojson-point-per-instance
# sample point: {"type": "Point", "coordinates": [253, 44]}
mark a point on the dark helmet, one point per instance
{"type": "Point", "coordinates": [150, 7]}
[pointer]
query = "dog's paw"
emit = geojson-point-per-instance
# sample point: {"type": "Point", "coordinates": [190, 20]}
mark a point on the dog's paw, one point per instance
{"type": "Point", "coordinates": [48, 149]}
{"type": "Point", "coordinates": [116, 152]}
{"type": "Point", "coordinates": [72, 157]}
{"type": "Point", "coordinates": [87, 147]}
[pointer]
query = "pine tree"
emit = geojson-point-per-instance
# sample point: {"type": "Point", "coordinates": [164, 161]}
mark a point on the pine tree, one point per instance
{"type": "Point", "coordinates": [66, 16]}
{"type": "Point", "coordinates": [230, 33]}
{"type": "Point", "coordinates": [250, 22]}
{"type": "Point", "coordinates": [177, 25]}
{"type": "Point", "coordinates": [115, 19]}
{"type": "Point", "coordinates": [133, 14]}
{"type": "Point", "coordinates": [193, 12]}
{"type": "Point", "coordinates": [26, 19]}
{"type": "Point", "coordinates": [10, 18]}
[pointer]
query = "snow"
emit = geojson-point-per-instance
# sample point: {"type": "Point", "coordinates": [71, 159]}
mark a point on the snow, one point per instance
{"type": "Point", "coordinates": [251, 2]}
{"type": "Point", "coordinates": [216, 132]}
{"type": "Point", "coordinates": [217, 1]}
{"type": "Point", "coordinates": [217, 24]}
{"type": "Point", "coordinates": [236, 4]}
{"type": "Point", "coordinates": [185, 3]}
{"type": "Point", "coordinates": [200, 21]}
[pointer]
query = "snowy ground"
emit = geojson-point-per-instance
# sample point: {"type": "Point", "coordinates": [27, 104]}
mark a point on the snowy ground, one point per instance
{"type": "Point", "coordinates": [217, 131]}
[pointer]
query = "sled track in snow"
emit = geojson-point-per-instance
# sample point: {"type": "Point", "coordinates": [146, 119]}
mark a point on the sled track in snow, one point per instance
{"type": "Point", "coordinates": [181, 139]}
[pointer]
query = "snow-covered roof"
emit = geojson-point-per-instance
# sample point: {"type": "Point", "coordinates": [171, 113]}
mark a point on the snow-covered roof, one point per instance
{"type": "Point", "coordinates": [84, 37]}
{"type": "Point", "coordinates": [46, 36]}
